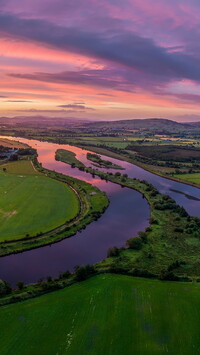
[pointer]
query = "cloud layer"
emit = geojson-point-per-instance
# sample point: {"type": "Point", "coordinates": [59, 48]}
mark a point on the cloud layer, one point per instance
{"type": "Point", "coordinates": [136, 52]}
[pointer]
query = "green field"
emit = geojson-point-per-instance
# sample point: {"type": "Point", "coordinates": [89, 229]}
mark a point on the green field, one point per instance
{"type": "Point", "coordinates": [193, 178]}
{"type": "Point", "coordinates": [68, 157]}
{"type": "Point", "coordinates": [32, 203]}
{"type": "Point", "coordinates": [108, 314]}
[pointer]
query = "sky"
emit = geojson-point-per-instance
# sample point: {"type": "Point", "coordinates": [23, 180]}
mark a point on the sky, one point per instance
{"type": "Point", "coordinates": [100, 59]}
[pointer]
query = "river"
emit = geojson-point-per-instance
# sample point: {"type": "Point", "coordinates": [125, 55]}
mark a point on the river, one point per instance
{"type": "Point", "coordinates": [127, 214]}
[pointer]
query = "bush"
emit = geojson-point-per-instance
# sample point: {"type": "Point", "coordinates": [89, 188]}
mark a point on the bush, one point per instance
{"type": "Point", "coordinates": [168, 276]}
{"type": "Point", "coordinates": [134, 243]}
{"type": "Point", "coordinates": [64, 274]}
{"type": "Point", "coordinates": [143, 236]}
{"type": "Point", "coordinates": [152, 220]}
{"type": "Point", "coordinates": [116, 268]}
{"type": "Point", "coordinates": [178, 229]}
{"type": "Point", "coordinates": [20, 285]}
{"type": "Point", "coordinates": [5, 288]}
{"type": "Point", "coordinates": [83, 272]}
{"type": "Point", "coordinates": [113, 252]}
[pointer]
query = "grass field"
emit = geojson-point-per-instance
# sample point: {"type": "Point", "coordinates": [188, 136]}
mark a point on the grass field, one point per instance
{"type": "Point", "coordinates": [68, 157]}
{"type": "Point", "coordinates": [20, 167]}
{"type": "Point", "coordinates": [193, 178]}
{"type": "Point", "coordinates": [108, 314]}
{"type": "Point", "coordinates": [11, 144]}
{"type": "Point", "coordinates": [31, 203]}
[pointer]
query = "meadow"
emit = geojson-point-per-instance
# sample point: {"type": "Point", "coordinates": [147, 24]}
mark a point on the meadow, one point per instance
{"type": "Point", "coordinates": [62, 154]}
{"type": "Point", "coordinates": [107, 314]}
{"type": "Point", "coordinates": [32, 203]}
{"type": "Point", "coordinates": [193, 178]}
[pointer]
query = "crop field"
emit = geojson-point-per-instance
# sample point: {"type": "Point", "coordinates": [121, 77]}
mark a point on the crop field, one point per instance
{"type": "Point", "coordinates": [167, 152]}
{"type": "Point", "coordinates": [32, 203]}
{"type": "Point", "coordinates": [107, 314]}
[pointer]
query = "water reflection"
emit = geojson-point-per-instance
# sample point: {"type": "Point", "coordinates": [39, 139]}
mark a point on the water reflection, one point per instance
{"type": "Point", "coordinates": [127, 214]}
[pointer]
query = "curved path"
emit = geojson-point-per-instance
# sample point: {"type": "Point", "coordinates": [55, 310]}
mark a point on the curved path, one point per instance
{"type": "Point", "coordinates": [127, 214]}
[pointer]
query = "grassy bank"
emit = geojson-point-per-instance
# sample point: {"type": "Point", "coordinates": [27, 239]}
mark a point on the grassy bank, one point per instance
{"type": "Point", "coordinates": [169, 247]}
{"type": "Point", "coordinates": [98, 162]}
{"type": "Point", "coordinates": [109, 314]}
{"type": "Point", "coordinates": [192, 179]}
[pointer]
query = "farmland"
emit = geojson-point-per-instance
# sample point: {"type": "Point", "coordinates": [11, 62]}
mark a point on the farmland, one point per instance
{"type": "Point", "coordinates": [32, 203]}
{"type": "Point", "coordinates": [109, 314]}
{"type": "Point", "coordinates": [193, 178]}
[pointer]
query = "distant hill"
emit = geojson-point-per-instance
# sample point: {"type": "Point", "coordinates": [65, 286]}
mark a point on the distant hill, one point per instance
{"type": "Point", "coordinates": [149, 125]}
{"type": "Point", "coordinates": [194, 124]}
{"type": "Point", "coordinates": [138, 124]}
{"type": "Point", "coordinates": [75, 125]}
{"type": "Point", "coordinates": [42, 121]}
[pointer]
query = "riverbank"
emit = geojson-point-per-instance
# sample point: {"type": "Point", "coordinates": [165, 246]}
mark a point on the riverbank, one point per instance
{"type": "Point", "coordinates": [168, 244]}
{"type": "Point", "coordinates": [168, 249]}
{"type": "Point", "coordinates": [120, 156]}
{"type": "Point", "coordinates": [109, 152]}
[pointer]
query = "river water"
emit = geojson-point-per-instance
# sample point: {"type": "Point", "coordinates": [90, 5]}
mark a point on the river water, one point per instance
{"type": "Point", "coordinates": [127, 214]}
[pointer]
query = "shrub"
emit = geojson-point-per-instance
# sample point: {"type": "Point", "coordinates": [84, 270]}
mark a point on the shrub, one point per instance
{"type": "Point", "coordinates": [20, 285]}
{"type": "Point", "coordinates": [134, 243]}
{"type": "Point", "coordinates": [152, 220]}
{"type": "Point", "coordinates": [113, 252]}
{"type": "Point", "coordinates": [5, 288]}
{"type": "Point", "coordinates": [148, 229]}
{"type": "Point", "coordinates": [178, 229]}
{"type": "Point", "coordinates": [143, 236]}
{"type": "Point", "coordinates": [168, 276]}
{"type": "Point", "coordinates": [83, 272]}
{"type": "Point", "coordinates": [64, 274]}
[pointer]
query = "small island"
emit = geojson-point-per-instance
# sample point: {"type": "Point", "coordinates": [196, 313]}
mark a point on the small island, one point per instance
{"type": "Point", "coordinates": [100, 163]}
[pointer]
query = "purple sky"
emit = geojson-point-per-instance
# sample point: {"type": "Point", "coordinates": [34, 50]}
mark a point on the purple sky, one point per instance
{"type": "Point", "coordinates": [100, 59]}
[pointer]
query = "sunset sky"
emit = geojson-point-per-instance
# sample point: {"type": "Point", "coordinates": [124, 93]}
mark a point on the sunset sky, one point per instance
{"type": "Point", "coordinates": [98, 59]}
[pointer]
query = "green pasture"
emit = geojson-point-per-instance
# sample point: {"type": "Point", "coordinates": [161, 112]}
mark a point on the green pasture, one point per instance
{"type": "Point", "coordinates": [19, 167]}
{"type": "Point", "coordinates": [32, 203]}
{"type": "Point", "coordinates": [68, 157]}
{"type": "Point", "coordinates": [107, 314]}
{"type": "Point", "coordinates": [193, 178]}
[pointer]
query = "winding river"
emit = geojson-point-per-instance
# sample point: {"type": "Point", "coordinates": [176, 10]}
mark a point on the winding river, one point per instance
{"type": "Point", "coordinates": [127, 214]}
